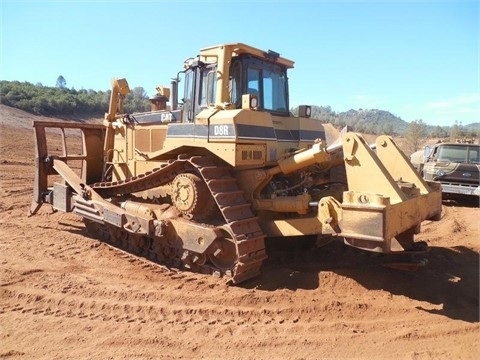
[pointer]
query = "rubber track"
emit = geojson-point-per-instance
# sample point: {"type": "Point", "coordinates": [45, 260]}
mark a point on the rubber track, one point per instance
{"type": "Point", "coordinates": [239, 218]}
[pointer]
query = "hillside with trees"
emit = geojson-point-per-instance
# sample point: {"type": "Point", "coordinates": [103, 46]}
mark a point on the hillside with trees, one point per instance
{"type": "Point", "coordinates": [365, 121]}
{"type": "Point", "coordinates": [64, 102]}
{"type": "Point", "coordinates": [375, 121]}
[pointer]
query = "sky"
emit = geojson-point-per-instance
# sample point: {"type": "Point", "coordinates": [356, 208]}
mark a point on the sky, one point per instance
{"type": "Point", "coordinates": [420, 60]}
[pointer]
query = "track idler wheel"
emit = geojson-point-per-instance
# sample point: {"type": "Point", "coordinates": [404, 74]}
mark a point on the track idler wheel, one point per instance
{"type": "Point", "coordinates": [224, 253]}
{"type": "Point", "coordinates": [191, 197]}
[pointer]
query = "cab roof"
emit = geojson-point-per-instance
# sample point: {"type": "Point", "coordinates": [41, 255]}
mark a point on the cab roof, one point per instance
{"type": "Point", "coordinates": [236, 49]}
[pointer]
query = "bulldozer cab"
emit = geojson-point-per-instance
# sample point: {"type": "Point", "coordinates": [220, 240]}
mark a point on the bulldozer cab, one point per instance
{"type": "Point", "coordinates": [262, 75]}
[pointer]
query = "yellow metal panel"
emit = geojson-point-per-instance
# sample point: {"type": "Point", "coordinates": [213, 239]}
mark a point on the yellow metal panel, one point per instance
{"type": "Point", "coordinates": [365, 172]}
{"type": "Point", "coordinates": [149, 139]}
{"type": "Point", "coordinates": [397, 164]}
{"type": "Point", "coordinates": [293, 227]}
{"type": "Point", "coordinates": [363, 223]}
{"type": "Point", "coordinates": [250, 155]}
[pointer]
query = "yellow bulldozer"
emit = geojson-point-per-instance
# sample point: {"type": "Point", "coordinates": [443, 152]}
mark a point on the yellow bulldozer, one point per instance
{"type": "Point", "coordinates": [200, 182]}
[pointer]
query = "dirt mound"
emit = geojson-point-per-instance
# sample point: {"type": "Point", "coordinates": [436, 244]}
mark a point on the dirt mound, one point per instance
{"type": "Point", "coordinates": [65, 295]}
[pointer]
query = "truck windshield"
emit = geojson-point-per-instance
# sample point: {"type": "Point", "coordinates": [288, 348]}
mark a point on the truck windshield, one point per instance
{"type": "Point", "coordinates": [460, 154]}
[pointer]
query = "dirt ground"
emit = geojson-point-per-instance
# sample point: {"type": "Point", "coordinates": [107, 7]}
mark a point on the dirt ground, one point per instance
{"type": "Point", "coordinates": [64, 295]}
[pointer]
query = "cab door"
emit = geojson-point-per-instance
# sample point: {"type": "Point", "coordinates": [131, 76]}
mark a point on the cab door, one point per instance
{"type": "Point", "coordinates": [199, 90]}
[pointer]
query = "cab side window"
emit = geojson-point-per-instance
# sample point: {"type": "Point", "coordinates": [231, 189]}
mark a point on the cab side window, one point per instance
{"type": "Point", "coordinates": [188, 96]}
{"type": "Point", "coordinates": [473, 156]}
{"type": "Point", "coordinates": [236, 84]}
{"type": "Point", "coordinates": [207, 87]}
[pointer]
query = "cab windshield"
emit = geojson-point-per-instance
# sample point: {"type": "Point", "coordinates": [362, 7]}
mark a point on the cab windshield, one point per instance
{"type": "Point", "coordinates": [264, 79]}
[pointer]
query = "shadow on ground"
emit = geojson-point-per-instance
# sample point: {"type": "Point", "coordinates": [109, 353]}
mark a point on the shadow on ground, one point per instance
{"type": "Point", "coordinates": [461, 200]}
{"type": "Point", "coordinates": [450, 279]}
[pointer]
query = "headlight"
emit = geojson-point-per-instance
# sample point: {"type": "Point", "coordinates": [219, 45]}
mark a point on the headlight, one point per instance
{"type": "Point", "coordinates": [305, 111]}
{"type": "Point", "coordinates": [440, 172]}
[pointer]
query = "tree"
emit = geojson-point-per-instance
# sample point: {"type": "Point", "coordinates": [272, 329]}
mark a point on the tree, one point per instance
{"type": "Point", "coordinates": [61, 82]}
{"type": "Point", "coordinates": [456, 131]}
{"type": "Point", "coordinates": [416, 134]}
{"type": "Point", "coordinates": [438, 132]}
{"type": "Point", "coordinates": [136, 101]}
{"type": "Point", "coordinates": [387, 128]}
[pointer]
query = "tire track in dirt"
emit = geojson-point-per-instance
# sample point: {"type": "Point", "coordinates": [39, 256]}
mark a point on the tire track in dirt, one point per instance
{"type": "Point", "coordinates": [85, 298]}
{"type": "Point", "coordinates": [109, 308]}
{"type": "Point", "coordinates": [106, 308]}
{"type": "Point", "coordinates": [73, 292]}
